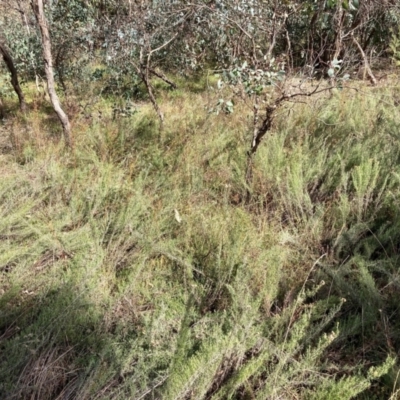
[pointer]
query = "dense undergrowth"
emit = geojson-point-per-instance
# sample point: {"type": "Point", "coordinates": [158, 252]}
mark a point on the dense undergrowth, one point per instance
{"type": "Point", "coordinates": [142, 265]}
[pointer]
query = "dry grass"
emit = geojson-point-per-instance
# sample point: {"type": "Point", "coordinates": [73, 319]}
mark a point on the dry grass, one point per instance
{"type": "Point", "coordinates": [107, 294]}
{"type": "Point", "coordinates": [48, 375]}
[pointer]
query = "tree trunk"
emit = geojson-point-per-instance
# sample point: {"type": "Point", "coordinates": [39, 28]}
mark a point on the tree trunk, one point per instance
{"type": "Point", "coordinates": [367, 68]}
{"type": "Point", "coordinates": [14, 75]}
{"type": "Point", "coordinates": [37, 6]}
{"type": "Point", "coordinates": [146, 81]}
{"type": "Point", "coordinates": [1, 109]}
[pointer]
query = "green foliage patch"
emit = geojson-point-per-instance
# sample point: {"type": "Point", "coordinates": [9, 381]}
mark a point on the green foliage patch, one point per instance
{"type": "Point", "coordinates": [143, 265]}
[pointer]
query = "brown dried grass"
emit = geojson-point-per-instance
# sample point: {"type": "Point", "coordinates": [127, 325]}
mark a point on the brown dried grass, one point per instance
{"type": "Point", "coordinates": [49, 375]}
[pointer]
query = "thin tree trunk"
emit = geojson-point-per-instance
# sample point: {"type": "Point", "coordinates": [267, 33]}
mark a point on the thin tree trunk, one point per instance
{"type": "Point", "coordinates": [14, 76]}
{"type": "Point", "coordinates": [146, 80]}
{"type": "Point", "coordinates": [1, 109]}
{"type": "Point", "coordinates": [340, 15]}
{"type": "Point", "coordinates": [144, 74]}
{"type": "Point", "coordinates": [367, 68]}
{"type": "Point", "coordinates": [37, 6]}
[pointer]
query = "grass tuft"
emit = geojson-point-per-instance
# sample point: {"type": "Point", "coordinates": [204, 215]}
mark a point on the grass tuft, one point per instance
{"type": "Point", "coordinates": [141, 264]}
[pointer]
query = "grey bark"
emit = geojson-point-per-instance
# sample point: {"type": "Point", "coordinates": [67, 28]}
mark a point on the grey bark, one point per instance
{"type": "Point", "coordinates": [37, 6]}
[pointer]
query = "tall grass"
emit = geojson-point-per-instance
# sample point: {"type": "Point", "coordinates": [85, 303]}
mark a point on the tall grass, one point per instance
{"type": "Point", "coordinates": [137, 266]}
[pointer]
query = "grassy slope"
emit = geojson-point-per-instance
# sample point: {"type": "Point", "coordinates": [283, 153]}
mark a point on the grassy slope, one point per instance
{"type": "Point", "coordinates": [106, 295]}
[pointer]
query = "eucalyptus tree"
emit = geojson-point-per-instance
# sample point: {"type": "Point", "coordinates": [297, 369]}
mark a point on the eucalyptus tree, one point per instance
{"type": "Point", "coordinates": [38, 9]}
{"type": "Point", "coordinates": [351, 30]}
{"type": "Point", "coordinates": [138, 38]}
{"type": "Point", "coordinates": [14, 75]}
{"type": "Point", "coordinates": [6, 53]}
{"type": "Point", "coordinates": [256, 43]}
{"type": "Point", "coordinates": [249, 41]}
{"type": "Point", "coordinates": [18, 31]}
{"type": "Point", "coordinates": [73, 29]}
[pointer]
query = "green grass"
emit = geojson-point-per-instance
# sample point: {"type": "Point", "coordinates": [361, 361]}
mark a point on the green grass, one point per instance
{"type": "Point", "coordinates": [138, 266]}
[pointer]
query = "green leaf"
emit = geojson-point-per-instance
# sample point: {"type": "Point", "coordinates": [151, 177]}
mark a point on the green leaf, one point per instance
{"type": "Point", "coordinates": [331, 3]}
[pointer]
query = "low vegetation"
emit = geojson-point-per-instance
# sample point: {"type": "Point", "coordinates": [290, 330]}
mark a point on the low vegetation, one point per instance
{"type": "Point", "coordinates": [199, 200]}
{"type": "Point", "coordinates": [142, 264]}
